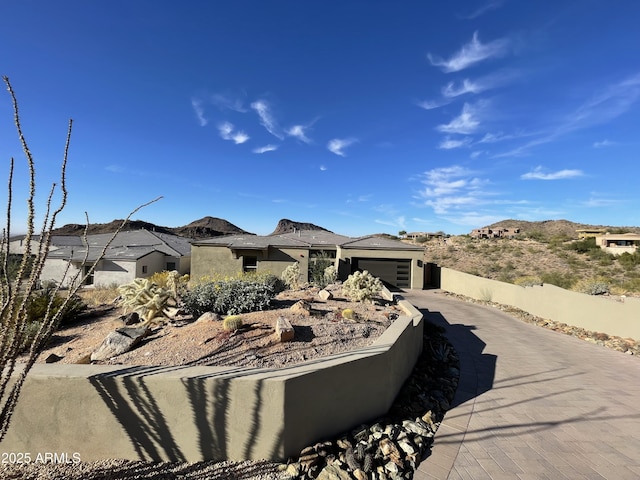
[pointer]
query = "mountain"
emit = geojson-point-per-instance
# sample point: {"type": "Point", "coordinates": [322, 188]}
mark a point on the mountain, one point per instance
{"type": "Point", "coordinates": [286, 226]}
{"type": "Point", "coordinates": [206, 227]}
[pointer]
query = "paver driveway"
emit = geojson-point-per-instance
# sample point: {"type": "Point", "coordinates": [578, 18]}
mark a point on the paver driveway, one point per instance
{"type": "Point", "coordinates": [531, 403]}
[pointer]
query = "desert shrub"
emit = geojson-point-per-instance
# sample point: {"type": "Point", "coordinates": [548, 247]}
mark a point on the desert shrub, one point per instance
{"type": "Point", "coordinates": [583, 246]}
{"type": "Point", "coordinates": [528, 281]}
{"type": "Point", "coordinates": [318, 264]}
{"type": "Point", "coordinates": [330, 275]}
{"type": "Point", "coordinates": [153, 302]}
{"type": "Point", "coordinates": [361, 286]}
{"type": "Point", "coordinates": [629, 261]}
{"type": "Point", "coordinates": [291, 276]}
{"type": "Point", "coordinates": [99, 295]}
{"type": "Point", "coordinates": [229, 297]}
{"type": "Point", "coordinates": [270, 280]}
{"type": "Point", "coordinates": [562, 280]}
{"type": "Point", "coordinates": [596, 286]}
{"type": "Point", "coordinates": [41, 300]}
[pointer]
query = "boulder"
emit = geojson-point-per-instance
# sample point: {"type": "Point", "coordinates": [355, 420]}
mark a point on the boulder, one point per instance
{"type": "Point", "coordinates": [325, 295]}
{"type": "Point", "coordinates": [301, 307]}
{"type": "Point", "coordinates": [52, 358]}
{"type": "Point", "coordinates": [208, 317]}
{"type": "Point", "coordinates": [284, 330]}
{"type": "Point", "coordinates": [120, 341]}
{"type": "Point", "coordinates": [130, 318]}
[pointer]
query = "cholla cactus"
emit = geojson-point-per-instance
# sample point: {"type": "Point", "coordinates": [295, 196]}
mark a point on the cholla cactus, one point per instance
{"type": "Point", "coordinates": [330, 274]}
{"type": "Point", "coordinates": [291, 276]}
{"type": "Point", "coordinates": [361, 286]}
{"type": "Point", "coordinates": [152, 302]}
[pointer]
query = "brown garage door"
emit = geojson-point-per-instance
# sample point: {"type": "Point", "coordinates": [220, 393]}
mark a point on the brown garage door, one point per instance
{"type": "Point", "coordinates": [390, 270]}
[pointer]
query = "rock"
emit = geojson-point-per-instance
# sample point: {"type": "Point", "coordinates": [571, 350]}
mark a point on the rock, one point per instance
{"type": "Point", "coordinates": [208, 317]}
{"type": "Point", "coordinates": [53, 358]}
{"type": "Point", "coordinates": [120, 341]}
{"type": "Point", "coordinates": [331, 472]}
{"type": "Point", "coordinates": [301, 307]}
{"type": "Point", "coordinates": [130, 318]}
{"type": "Point", "coordinates": [86, 360]}
{"type": "Point", "coordinates": [325, 295]}
{"type": "Point", "coordinates": [284, 330]}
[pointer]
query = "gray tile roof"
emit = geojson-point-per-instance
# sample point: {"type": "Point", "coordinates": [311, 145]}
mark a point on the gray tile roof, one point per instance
{"type": "Point", "coordinates": [316, 239]}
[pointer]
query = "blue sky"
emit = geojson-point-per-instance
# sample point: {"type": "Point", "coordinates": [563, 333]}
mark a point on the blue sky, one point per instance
{"type": "Point", "coordinates": [359, 116]}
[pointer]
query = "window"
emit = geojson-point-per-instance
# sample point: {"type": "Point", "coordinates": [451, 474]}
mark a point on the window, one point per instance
{"type": "Point", "coordinates": [171, 266]}
{"type": "Point", "coordinates": [249, 264]}
{"type": "Point", "coordinates": [144, 269]}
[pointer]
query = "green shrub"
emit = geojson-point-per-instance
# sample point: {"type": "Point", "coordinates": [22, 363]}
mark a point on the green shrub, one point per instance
{"type": "Point", "coordinates": [330, 275]}
{"type": "Point", "coordinates": [291, 276]}
{"type": "Point", "coordinates": [528, 281]}
{"type": "Point", "coordinates": [39, 302]}
{"type": "Point", "coordinates": [317, 266]}
{"type": "Point", "coordinates": [558, 279]}
{"type": "Point", "coordinates": [229, 297]}
{"type": "Point", "coordinates": [361, 286]}
{"type": "Point", "coordinates": [592, 287]}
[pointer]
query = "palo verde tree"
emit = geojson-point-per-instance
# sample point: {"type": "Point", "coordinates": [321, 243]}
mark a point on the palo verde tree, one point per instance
{"type": "Point", "coordinates": [16, 290]}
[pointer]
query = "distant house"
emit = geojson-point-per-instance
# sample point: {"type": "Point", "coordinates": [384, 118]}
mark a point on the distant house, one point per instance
{"type": "Point", "coordinates": [396, 263]}
{"type": "Point", "coordinates": [589, 232]}
{"type": "Point", "coordinates": [132, 254]}
{"type": "Point", "coordinates": [498, 233]}
{"type": "Point", "coordinates": [618, 244]}
{"type": "Point", "coordinates": [427, 235]}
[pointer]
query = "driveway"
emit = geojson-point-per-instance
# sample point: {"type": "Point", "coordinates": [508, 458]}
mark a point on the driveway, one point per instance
{"type": "Point", "coordinates": [531, 403]}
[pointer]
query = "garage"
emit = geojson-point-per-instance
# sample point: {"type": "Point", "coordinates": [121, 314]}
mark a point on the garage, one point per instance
{"type": "Point", "coordinates": [393, 271]}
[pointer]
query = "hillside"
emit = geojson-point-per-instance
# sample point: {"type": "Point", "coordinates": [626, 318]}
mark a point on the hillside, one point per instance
{"type": "Point", "coordinates": [286, 226]}
{"type": "Point", "coordinates": [548, 230]}
{"type": "Point", "coordinates": [547, 250]}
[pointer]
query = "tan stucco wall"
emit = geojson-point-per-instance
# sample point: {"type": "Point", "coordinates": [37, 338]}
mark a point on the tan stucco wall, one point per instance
{"type": "Point", "coordinates": [203, 413]}
{"type": "Point", "coordinates": [209, 259]}
{"type": "Point", "coordinates": [111, 272]}
{"type": "Point", "coordinates": [417, 272]}
{"type": "Point", "coordinates": [595, 313]}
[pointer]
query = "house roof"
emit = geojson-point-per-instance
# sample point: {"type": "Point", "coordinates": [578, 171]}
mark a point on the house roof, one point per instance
{"type": "Point", "coordinates": [621, 236]}
{"type": "Point", "coordinates": [379, 243]}
{"type": "Point", "coordinates": [316, 239]}
{"type": "Point", "coordinates": [130, 245]}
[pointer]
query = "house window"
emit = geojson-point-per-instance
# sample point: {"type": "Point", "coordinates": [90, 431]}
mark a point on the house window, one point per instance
{"type": "Point", "coordinates": [171, 266]}
{"type": "Point", "coordinates": [89, 274]}
{"type": "Point", "coordinates": [249, 264]}
{"type": "Point", "coordinates": [144, 269]}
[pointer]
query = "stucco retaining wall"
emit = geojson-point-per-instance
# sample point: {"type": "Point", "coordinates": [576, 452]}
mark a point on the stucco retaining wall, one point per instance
{"type": "Point", "coordinates": [211, 413]}
{"type": "Point", "coordinates": [591, 312]}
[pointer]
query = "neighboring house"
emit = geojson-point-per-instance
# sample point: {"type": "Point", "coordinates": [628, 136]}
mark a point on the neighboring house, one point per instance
{"type": "Point", "coordinates": [618, 244]}
{"type": "Point", "coordinates": [394, 262]}
{"type": "Point", "coordinates": [132, 254]}
{"type": "Point", "coordinates": [18, 244]}
{"type": "Point", "coordinates": [499, 233]}
{"type": "Point", "coordinates": [427, 235]}
{"type": "Point", "coordinates": [589, 232]}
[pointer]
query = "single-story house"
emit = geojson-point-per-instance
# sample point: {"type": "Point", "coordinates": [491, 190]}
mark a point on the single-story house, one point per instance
{"type": "Point", "coordinates": [132, 254]}
{"type": "Point", "coordinates": [396, 263]}
{"type": "Point", "coordinates": [618, 243]}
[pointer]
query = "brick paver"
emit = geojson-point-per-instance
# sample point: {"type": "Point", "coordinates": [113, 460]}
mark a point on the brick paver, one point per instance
{"type": "Point", "coordinates": [531, 403]}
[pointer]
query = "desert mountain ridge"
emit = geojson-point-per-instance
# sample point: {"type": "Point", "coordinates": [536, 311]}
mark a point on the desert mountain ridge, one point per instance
{"type": "Point", "coordinates": [208, 227]}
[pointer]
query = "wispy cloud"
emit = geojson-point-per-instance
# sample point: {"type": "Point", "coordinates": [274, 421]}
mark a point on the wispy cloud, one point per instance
{"type": "Point", "coordinates": [227, 132]}
{"type": "Point", "coordinates": [596, 200]}
{"type": "Point", "coordinates": [199, 111]}
{"type": "Point", "coordinates": [470, 54]}
{"type": "Point", "coordinates": [464, 124]}
{"type": "Point", "coordinates": [337, 145]}
{"type": "Point", "coordinates": [299, 132]}
{"type": "Point", "coordinates": [323, 168]}
{"type": "Point", "coordinates": [539, 173]}
{"type": "Point", "coordinates": [115, 168]}
{"type": "Point", "coordinates": [467, 86]}
{"type": "Point", "coordinates": [432, 104]}
{"type": "Point", "coordinates": [492, 5]}
{"type": "Point", "coordinates": [603, 144]}
{"type": "Point", "coordinates": [398, 222]}
{"type": "Point", "coordinates": [267, 120]}
{"type": "Point", "coordinates": [265, 149]}
{"type": "Point", "coordinates": [450, 143]}
{"type": "Point", "coordinates": [228, 102]}
{"type": "Point", "coordinates": [604, 106]}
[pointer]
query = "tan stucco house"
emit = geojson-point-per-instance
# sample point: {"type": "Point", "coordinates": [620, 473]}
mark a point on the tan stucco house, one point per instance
{"type": "Point", "coordinates": [132, 254]}
{"type": "Point", "coordinates": [396, 263]}
{"type": "Point", "coordinates": [618, 244]}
